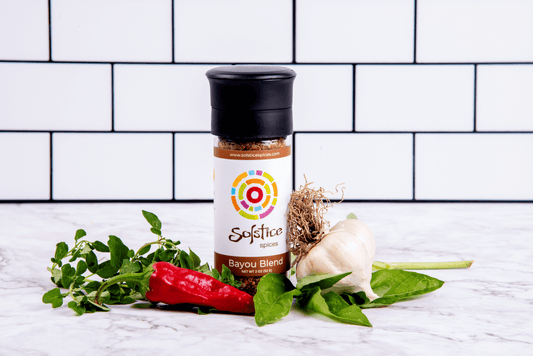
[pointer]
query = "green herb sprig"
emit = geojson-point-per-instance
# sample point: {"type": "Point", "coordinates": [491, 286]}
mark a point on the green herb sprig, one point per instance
{"type": "Point", "coordinates": [73, 270]}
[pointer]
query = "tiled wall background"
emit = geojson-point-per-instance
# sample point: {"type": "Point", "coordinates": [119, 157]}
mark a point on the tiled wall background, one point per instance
{"type": "Point", "coordinates": [402, 100]}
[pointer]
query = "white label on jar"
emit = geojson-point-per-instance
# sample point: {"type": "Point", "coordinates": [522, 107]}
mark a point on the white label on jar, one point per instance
{"type": "Point", "coordinates": [252, 192]}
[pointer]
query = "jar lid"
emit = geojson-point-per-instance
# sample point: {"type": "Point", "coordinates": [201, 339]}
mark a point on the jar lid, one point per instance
{"type": "Point", "coordinates": [251, 101]}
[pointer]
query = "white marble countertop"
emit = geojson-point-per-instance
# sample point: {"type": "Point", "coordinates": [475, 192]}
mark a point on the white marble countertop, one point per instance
{"type": "Point", "coordinates": [485, 310]}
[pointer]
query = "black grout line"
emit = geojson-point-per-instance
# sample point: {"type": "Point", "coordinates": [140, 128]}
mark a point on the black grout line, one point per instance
{"type": "Point", "coordinates": [293, 161]}
{"type": "Point", "coordinates": [49, 31]}
{"type": "Point", "coordinates": [112, 97]}
{"type": "Point", "coordinates": [51, 168]}
{"type": "Point", "coordinates": [299, 132]}
{"type": "Point", "coordinates": [173, 32]}
{"type": "Point", "coordinates": [353, 97]}
{"type": "Point", "coordinates": [414, 42]}
{"type": "Point", "coordinates": [293, 31]}
{"type": "Point", "coordinates": [414, 165]}
{"type": "Point", "coordinates": [475, 96]}
{"type": "Point", "coordinates": [275, 63]}
{"type": "Point", "coordinates": [192, 201]}
{"type": "Point", "coordinates": [173, 167]}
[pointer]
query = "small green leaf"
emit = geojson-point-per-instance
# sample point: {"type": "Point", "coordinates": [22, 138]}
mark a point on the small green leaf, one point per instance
{"type": "Point", "coordinates": [185, 260]}
{"type": "Point", "coordinates": [56, 276]}
{"type": "Point", "coordinates": [92, 287]}
{"type": "Point", "coordinates": [100, 246]}
{"type": "Point", "coordinates": [81, 267]}
{"type": "Point", "coordinates": [131, 253]}
{"type": "Point", "coordinates": [118, 250]}
{"type": "Point", "coordinates": [195, 259]}
{"type": "Point", "coordinates": [61, 251]}
{"type": "Point", "coordinates": [214, 273]}
{"type": "Point", "coordinates": [53, 297]}
{"type": "Point", "coordinates": [106, 270]}
{"type": "Point", "coordinates": [205, 310]}
{"type": "Point", "coordinates": [145, 249]}
{"type": "Point", "coordinates": [68, 272]}
{"type": "Point", "coordinates": [155, 231]}
{"type": "Point", "coordinates": [152, 219]}
{"type": "Point", "coordinates": [351, 216]}
{"type": "Point", "coordinates": [204, 268]}
{"type": "Point", "coordinates": [273, 299]}
{"type": "Point", "coordinates": [324, 281]}
{"type": "Point", "coordinates": [79, 234]}
{"type": "Point", "coordinates": [92, 262]}
{"type": "Point", "coordinates": [129, 267]}
{"type": "Point", "coordinates": [79, 309]}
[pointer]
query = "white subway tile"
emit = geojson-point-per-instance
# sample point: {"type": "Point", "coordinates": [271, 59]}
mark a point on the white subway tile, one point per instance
{"type": "Point", "coordinates": [117, 166]}
{"type": "Point", "coordinates": [24, 30]}
{"type": "Point", "coordinates": [371, 166]}
{"type": "Point", "coordinates": [355, 31]}
{"type": "Point", "coordinates": [504, 95]}
{"type": "Point", "coordinates": [118, 30]}
{"type": "Point", "coordinates": [323, 97]}
{"type": "Point", "coordinates": [414, 98]}
{"type": "Point", "coordinates": [474, 30]}
{"type": "Point", "coordinates": [233, 30]}
{"type": "Point", "coordinates": [474, 166]}
{"type": "Point", "coordinates": [193, 166]}
{"type": "Point", "coordinates": [162, 97]}
{"type": "Point", "coordinates": [25, 162]}
{"type": "Point", "coordinates": [51, 96]}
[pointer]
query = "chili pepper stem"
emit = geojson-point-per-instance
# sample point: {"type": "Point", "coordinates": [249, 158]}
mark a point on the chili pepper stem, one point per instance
{"type": "Point", "coordinates": [377, 265]}
{"type": "Point", "coordinates": [142, 278]}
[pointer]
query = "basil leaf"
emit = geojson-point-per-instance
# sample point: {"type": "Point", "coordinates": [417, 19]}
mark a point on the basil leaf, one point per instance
{"type": "Point", "coordinates": [53, 297]}
{"type": "Point", "coordinates": [155, 231]}
{"type": "Point", "coordinates": [213, 273]}
{"type": "Point", "coordinates": [204, 268]}
{"type": "Point", "coordinates": [323, 281]}
{"type": "Point", "coordinates": [395, 285]}
{"type": "Point", "coordinates": [118, 250]}
{"type": "Point", "coordinates": [152, 219]}
{"type": "Point", "coordinates": [332, 305]}
{"type": "Point", "coordinates": [79, 234]}
{"type": "Point", "coordinates": [351, 216]}
{"type": "Point", "coordinates": [273, 299]}
{"type": "Point", "coordinates": [100, 246]}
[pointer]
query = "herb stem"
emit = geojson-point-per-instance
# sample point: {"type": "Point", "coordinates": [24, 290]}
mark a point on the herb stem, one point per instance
{"type": "Point", "coordinates": [377, 265]}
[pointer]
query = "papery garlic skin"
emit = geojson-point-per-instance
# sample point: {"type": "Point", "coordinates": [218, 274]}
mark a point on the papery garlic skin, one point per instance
{"type": "Point", "coordinates": [348, 246]}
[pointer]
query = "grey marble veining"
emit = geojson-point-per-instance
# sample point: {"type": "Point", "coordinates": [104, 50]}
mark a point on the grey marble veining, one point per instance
{"type": "Point", "coordinates": [486, 310]}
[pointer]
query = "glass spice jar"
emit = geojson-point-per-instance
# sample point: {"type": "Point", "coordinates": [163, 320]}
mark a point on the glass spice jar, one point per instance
{"type": "Point", "coordinates": [252, 123]}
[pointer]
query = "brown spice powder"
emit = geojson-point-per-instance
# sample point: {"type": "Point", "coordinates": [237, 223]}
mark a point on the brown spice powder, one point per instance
{"type": "Point", "coordinates": [249, 284]}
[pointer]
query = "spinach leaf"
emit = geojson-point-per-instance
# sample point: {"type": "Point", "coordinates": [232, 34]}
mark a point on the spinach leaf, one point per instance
{"type": "Point", "coordinates": [396, 285]}
{"type": "Point", "coordinates": [323, 281]}
{"type": "Point", "coordinates": [273, 299]}
{"type": "Point", "coordinates": [334, 306]}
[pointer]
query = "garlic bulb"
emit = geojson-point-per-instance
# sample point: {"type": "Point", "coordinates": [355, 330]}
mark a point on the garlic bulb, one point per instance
{"type": "Point", "coordinates": [348, 246]}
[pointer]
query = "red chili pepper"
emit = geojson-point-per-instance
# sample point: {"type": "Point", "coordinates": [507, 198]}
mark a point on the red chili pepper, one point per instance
{"type": "Point", "coordinates": [166, 283]}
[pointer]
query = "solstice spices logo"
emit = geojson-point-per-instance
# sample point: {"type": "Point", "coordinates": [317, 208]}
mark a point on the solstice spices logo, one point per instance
{"type": "Point", "coordinates": [254, 194]}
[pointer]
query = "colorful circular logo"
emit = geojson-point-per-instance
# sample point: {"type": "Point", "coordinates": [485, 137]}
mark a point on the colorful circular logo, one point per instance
{"type": "Point", "coordinates": [254, 194]}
